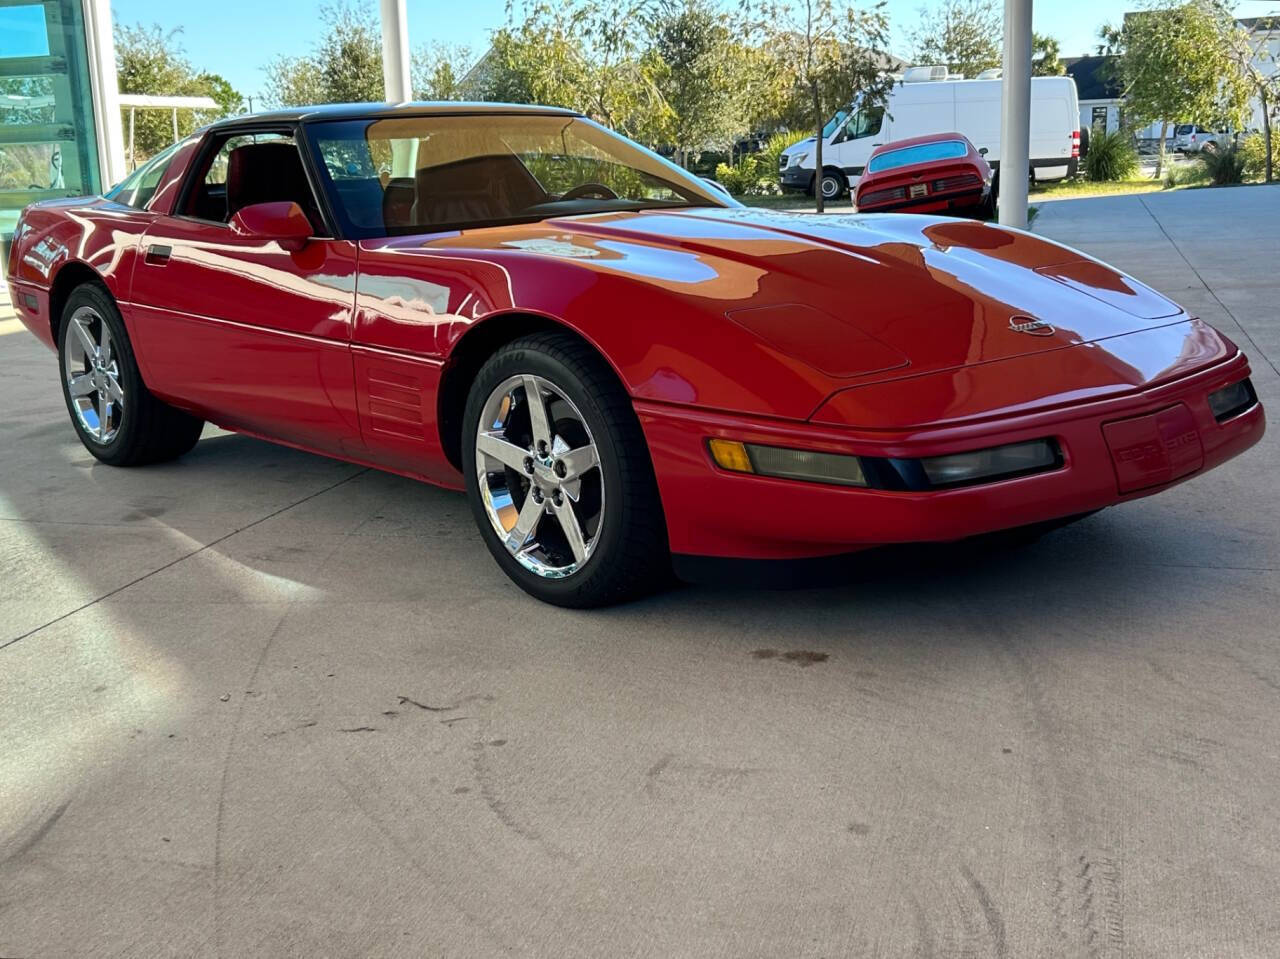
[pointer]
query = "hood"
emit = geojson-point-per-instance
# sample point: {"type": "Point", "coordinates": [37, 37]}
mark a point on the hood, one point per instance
{"type": "Point", "coordinates": [839, 300]}
{"type": "Point", "coordinates": [943, 293]}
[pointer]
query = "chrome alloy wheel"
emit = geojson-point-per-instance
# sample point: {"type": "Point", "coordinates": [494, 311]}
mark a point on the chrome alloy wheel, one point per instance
{"type": "Point", "coordinates": [92, 371]}
{"type": "Point", "coordinates": [539, 476]}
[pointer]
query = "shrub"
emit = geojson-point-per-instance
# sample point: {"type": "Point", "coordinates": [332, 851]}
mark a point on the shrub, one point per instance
{"type": "Point", "coordinates": [1224, 166]}
{"type": "Point", "coordinates": [1254, 151]}
{"type": "Point", "coordinates": [773, 150]}
{"type": "Point", "coordinates": [756, 174]}
{"type": "Point", "coordinates": [1111, 156]}
{"type": "Point", "coordinates": [1184, 174]}
{"type": "Point", "coordinates": [749, 176]}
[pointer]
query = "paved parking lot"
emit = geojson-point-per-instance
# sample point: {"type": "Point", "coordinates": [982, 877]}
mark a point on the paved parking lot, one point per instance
{"type": "Point", "coordinates": [261, 702]}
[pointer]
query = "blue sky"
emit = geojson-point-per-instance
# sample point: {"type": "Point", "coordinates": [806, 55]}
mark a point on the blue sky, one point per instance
{"type": "Point", "coordinates": [236, 37]}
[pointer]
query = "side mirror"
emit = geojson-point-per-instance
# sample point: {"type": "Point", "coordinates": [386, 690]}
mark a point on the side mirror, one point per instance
{"type": "Point", "coordinates": [284, 222]}
{"type": "Point", "coordinates": [982, 151]}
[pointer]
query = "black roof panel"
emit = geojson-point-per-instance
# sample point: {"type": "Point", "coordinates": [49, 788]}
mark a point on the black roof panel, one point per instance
{"type": "Point", "coordinates": [356, 111]}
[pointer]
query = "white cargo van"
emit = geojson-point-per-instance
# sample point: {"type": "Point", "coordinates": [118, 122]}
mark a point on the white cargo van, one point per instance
{"type": "Point", "coordinates": [971, 107]}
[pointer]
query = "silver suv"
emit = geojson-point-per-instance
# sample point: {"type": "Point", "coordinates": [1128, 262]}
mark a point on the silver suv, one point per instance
{"type": "Point", "coordinates": [1193, 138]}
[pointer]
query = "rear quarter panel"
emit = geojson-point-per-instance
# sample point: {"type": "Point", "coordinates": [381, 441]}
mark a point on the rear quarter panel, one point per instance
{"type": "Point", "coordinates": [93, 233]}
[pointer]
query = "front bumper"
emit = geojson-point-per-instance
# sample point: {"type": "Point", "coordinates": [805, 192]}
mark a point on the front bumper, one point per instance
{"type": "Point", "coordinates": [796, 178]}
{"type": "Point", "coordinates": [711, 512]}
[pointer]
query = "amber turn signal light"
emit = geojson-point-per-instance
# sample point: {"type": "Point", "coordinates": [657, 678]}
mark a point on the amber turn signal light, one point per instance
{"type": "Point", "coordinates": [730, 455]}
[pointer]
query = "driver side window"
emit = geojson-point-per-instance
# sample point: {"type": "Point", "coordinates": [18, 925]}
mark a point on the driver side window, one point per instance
{"type": "Point", "coordinates": [863, 123]}
{"type": "Point", "coordinates": [248, 168]}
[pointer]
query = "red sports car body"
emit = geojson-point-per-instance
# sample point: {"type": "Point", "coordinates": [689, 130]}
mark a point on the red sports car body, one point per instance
{"type": "Point", "coordinates": [938, 173]}
{"type": "Point", "coordinates": [617, 362]}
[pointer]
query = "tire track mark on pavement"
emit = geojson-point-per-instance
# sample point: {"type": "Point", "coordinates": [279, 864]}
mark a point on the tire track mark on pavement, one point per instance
{"type": "Point", "coordinates": [995, 922]}
{"type": "Point", "coordinates": [251, 683]}
{"type": "Point", "coordinates": [1087, 916]}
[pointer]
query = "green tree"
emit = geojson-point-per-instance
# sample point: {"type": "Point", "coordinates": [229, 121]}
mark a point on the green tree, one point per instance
{"type": "Point", "coordinates": [584, 54]}
{"type": "Point", "coordinates": [1259, 72]}
{"type": "Point", "coordinates": [966, 35]}
{"type": "Point", "coordinates": [1044, 56]}
{"type": "Point", "coordinates": [697, 76]}
{"type": "Point", "coordinates": [836, 53]}
{"type": "Point", "coordinates": [345, 66]}
{"type": "Point", "coordinates": [438, 71]}
{"type": "Point", "coordinates": [769, 93]}
{"type": "Point", "coordinates": [541, 59]}
{"type": "Point", "coordinates": [151, 61]}
{"type": "Point", "coordinates": [1172, 67]}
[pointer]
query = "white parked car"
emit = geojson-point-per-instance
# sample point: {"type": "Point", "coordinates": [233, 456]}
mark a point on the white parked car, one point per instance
{"type": "Point", "coordinates": [921, 107]}
{"type": "Point", "coordinates": [1193, 138]}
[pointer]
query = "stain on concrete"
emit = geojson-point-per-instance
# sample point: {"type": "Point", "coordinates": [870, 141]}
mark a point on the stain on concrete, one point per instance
{"type": "Point", "coordinates": [801, 657]}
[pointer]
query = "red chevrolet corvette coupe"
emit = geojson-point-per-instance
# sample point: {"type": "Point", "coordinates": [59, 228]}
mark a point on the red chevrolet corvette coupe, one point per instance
{"type": "Point", "coordinates": [621, 365]}
{"type": "Point", "coordinates": [938, 173]}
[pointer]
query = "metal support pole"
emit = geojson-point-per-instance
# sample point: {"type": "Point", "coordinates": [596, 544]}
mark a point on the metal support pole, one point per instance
{"type": "Point", "coordinates": [175, 124]}
{"type": "Point", "coordinates": [132, 165]}
{"type": "Point", "coordinates": [1015, 121]}
{"type": "Point", "coordinates": [107, 122]}
{"type": "Point", "coordinates": [395, 51]}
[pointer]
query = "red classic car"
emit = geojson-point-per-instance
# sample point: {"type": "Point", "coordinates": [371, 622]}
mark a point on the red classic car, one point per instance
{"type": "Point", "coordinates": [621, 365]}
{"type": "Point", "coordinates": [938, 173]}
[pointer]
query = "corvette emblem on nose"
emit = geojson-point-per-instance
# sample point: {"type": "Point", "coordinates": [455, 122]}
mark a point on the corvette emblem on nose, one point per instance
{"type": "Point", "coordinates": [1025, 324]}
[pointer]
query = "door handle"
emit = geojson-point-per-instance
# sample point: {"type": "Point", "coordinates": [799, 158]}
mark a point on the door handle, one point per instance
{"type": "Point", "coordinates": [157, 254]}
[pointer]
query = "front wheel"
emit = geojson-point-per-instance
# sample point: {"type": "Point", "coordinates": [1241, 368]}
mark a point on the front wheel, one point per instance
{"type": "Point", "coordinates": [559, 477]}
{"type": "Point", "coordinates": [833, 185]}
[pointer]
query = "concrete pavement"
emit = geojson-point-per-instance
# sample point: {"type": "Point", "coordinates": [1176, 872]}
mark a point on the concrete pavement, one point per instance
{"type": "Point", "coordinates": [261, 703]}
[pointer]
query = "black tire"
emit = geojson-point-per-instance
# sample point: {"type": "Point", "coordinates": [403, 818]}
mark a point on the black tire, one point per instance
{"type": "Point", "coordinates": [631, 556]}
{"type": "Point", "coordinates": [149, 430]}
{"type": "Point", "coordinates": [834, 186]}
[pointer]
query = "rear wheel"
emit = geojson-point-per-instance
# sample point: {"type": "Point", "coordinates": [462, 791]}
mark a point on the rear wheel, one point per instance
{"type": "Point", "coordinates": [559, 477]}
{"type": "Point", "coordinates": [116, 417]}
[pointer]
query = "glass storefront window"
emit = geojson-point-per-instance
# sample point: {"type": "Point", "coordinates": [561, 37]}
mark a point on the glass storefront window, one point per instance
{"type": "Point", "coordinates": [48, 147]}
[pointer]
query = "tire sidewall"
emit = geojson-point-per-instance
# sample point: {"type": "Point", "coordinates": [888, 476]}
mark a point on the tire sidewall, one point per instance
{"type": "Point", "coordinates": [121, 444]}
{"type": "Point", "coordinates": [513, 362]}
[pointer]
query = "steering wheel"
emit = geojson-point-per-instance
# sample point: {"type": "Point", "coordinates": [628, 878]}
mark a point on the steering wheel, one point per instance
{"type": "Point", "coordinates": [598, 190]}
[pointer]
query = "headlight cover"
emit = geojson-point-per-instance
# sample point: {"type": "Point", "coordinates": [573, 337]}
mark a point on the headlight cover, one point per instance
{"type": "Point", "coordinates": [996, 462]}
{"type": "Point", "coordinates": [1232, 400]}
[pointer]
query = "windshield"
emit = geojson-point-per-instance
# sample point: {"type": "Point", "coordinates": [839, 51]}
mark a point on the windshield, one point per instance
{"type": "Point", "coordinates": [834, 124]}
{"type": "Point", "coordinates": [424, 174]}
{"type": "Point", "coordinates": [137, 188]}
{"type": "Point", "coordinates": [925, 152]}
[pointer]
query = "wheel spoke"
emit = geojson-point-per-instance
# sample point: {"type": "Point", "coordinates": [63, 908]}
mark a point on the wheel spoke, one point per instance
{"type": "Point", "coordinates": [81, 385]}
{"type": "Point", "coordinates": [105, 347]}
{"type": "Point", "coordinates": [537, 411]}
{"type": "Point", "coordinates": [86, 341]}
{"type": "Point", "coordinates": [579, 461]}
{"type": "Point", "coordinates": [572, 530]}
{"type": "Point", "coordinates": [526, 524]}
{"type": "Point", "coordinates": [504, 452]}
{"type": "Point", "coordinates": [114, 390]}
{"type": "Point", "coordinates": [104, 414]}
